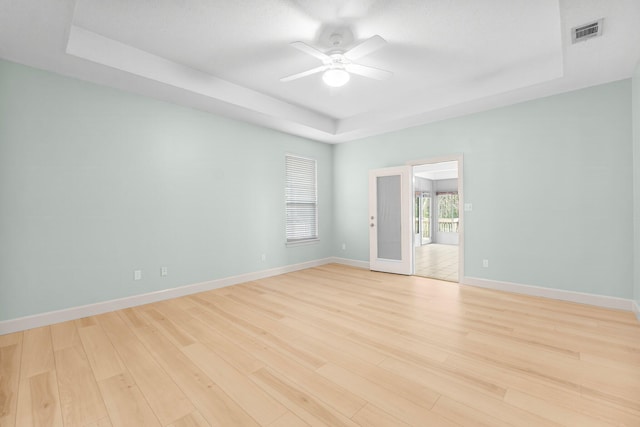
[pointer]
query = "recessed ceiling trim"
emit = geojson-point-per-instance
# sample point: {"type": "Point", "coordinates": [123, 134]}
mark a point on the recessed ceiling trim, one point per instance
{"type": "Point", "coordinates": [241, 48]}
{"type": "Point", "coordinates": [103, 50]}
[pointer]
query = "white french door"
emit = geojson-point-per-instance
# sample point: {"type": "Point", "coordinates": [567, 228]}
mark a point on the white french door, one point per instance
{"type": "Point", "coordinates": [390, 220]}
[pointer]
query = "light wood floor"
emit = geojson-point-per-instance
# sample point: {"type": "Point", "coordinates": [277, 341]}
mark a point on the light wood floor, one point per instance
{"type": "Point", "coordinates": [329, 346]}
{"type": "Point", "coordinates": [437, 261]}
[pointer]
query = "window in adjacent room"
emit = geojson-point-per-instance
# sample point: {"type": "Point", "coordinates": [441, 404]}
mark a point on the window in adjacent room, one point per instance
{"type": "Point", "coordinates": [448, 212]}
{"type": "Point", "coordinates": [301, 199]}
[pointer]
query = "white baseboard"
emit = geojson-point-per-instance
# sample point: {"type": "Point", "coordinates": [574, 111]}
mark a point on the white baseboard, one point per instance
{"type": "Point", "coordinates": [51, 317]}
{"type": "Point", "coordinates": [636, 309]}
{"type": "Point", "coordinates": [559, 294]}
{"type": "Point", "coordinates": [351, 262]}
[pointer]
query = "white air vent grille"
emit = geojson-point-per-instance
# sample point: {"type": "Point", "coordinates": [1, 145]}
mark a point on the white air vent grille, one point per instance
{"type": "Point", "coordinates": [587, 31]}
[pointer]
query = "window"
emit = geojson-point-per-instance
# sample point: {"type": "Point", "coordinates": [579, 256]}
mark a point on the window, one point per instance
{"type": "Point", "coordinates": [301, 199]}
{"type": "Point", "coordinates": [448, 212]}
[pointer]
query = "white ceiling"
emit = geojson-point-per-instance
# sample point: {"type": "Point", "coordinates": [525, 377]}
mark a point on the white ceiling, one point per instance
{"type": "Point", "coordinates": [448, 58]}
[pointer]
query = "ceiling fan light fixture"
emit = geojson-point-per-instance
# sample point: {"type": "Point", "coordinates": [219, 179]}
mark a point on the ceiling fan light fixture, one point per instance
{"type": "Point", "coordinates": [336, 77]}
{"type": "Point", "coordinates": [337, 65]}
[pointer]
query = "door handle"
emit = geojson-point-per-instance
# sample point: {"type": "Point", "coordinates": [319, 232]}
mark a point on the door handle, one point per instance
{"type": "Point", "coordinates": [372, 225]}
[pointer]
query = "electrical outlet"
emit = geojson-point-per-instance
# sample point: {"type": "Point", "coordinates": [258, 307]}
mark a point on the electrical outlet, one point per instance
{"type": "Point", "coordinates": [164, 271]}
{"type": "Point", "coordinates": [485, 263]}
{"type": "Point", "coordinates": [137, 275]}
{"type": "Point", "coordinates": [344, 246]}
{"type": "Point", "coordinates": [263, 257]}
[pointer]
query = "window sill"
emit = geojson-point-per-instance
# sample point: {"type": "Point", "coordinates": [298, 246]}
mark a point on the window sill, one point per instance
{"type": "Point", "coordinates": [303, 242]}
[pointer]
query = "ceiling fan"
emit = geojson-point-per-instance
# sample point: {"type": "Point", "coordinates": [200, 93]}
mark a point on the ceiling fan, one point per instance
{"type": "Point", "coordinates": [337, 64]}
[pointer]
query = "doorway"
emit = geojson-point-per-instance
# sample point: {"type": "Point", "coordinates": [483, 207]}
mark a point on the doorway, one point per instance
{"type": "Point", "coordinates": [437, 219]}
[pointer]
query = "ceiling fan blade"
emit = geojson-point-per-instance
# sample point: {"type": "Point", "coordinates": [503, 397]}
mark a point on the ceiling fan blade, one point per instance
{"type": "Point", "coordinates": [303, 74]}
{"type": "Point", "coordinates": [310, 50]}
{"type": "Point", "coordinates": [366, 47]}
{"type": "Point", "coordinates": [366, 71]}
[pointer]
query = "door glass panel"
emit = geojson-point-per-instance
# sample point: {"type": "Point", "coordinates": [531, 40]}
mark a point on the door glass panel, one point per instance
{"type": "Point", "coordinates": [389, 231]}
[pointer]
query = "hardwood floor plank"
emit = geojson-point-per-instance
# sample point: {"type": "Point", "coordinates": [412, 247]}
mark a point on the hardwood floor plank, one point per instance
{"type": "Point", "coordinates": [210, 336]}
{"type": "Point", "coordinates": [65, 335]}
{"type": "Point", "coordinates": [465, 415]}
{"type": "Point", "coordinates": [551, 410]}
{"type": "Point", "coordinates": [289, 420]}
{"type": "Point", "coordinates": [39, 402]}
{"type": "Point", "coordinates": [192, 420]}
{"type": "Point", "coordinates": [399, 407]}
{"type": "Point", "coordinates": [466, 393]}
{"type": "Point", "coordinates": [300, 321]}
{"type": "Point", "coordinates": [247, 298]}
{"type": "Point", "coordinates": [611, 384]}
{"type": "Point", "coordinates": [10, 339]}
{"type": "Point", "coordinates": [339, 398]}
{"type": "Point", "coordinates": [570, 396]}
{"type": "Point", "coordinates": [371, 416]}
{"type": "Point", "coordinates": [175, 334]}
{"type": "Point", "coordinates": [546, 365]}
{"type": "Point", "coordinates": [262, 407]}
{"type": "Point", "coordinates": [125, 402]}
{"type": "Point", "coordinates": [405, 388]}
{"type": "Point", "coordinates": [24, 409]}
{"type": "Point", "coordinates": [362, 329]}
{"type": "Point", "coordinates": [80, 398]}
{"type": "Point", "coordinates": [309, 408]}
{"type": "Point", "coordinates": [214, 404]}
{"type": "Point", "coordinates": [271, 332]}
{"type": "Point", "coordinates": [323, 333]}
{"type": "Point", "coordinates": [10, 355]}
{"type": "Point", "coordinates": [310, 381]}
{"type": "Point", "coordinates": [45, 402]}
{"type": "Point", "coordinates": [132, 317]}
{"type": "Point", "coordinates": [104, 422]}
{"type": "Point", "coordinates": [103, 358]}
{"type": "Point", "coordinates": [85, 322]}
{"type": "Point", "coordinates": [37, 352]}
{"type": "Point", "coordinates": [165, 398]}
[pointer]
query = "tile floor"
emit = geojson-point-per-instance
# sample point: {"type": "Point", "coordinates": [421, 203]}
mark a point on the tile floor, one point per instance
{"type": "Point", "coordinates": [437, 261]}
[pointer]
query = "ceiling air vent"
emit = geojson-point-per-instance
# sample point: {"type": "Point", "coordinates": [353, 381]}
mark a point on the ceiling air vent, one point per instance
{"type": "Point", "coordinates": [587, 31]}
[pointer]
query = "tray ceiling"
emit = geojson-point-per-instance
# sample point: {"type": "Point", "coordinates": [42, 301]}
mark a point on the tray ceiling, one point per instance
{"type": "Point", "coordinates": [448, 58]}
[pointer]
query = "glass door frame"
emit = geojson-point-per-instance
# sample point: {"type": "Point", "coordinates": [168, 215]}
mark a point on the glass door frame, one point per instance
{"type": "Point", "coordinates": [428, 239]}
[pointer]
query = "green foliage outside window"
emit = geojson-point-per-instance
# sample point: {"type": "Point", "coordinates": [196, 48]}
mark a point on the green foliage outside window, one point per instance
{"type": "Point", "coordinates": [448, 206]}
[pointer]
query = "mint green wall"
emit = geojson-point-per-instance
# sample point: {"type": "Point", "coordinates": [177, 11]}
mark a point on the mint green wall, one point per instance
{"type": "Point", "coordinates": [636, 178]}
{"type": "Point", "coordinates": [95, 183]}
{"type": "Point", "coordinates": [550, 181]}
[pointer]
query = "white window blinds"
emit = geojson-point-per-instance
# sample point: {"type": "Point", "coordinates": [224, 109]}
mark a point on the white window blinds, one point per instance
{"type": "Point", "coordinates": [301, 199]}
